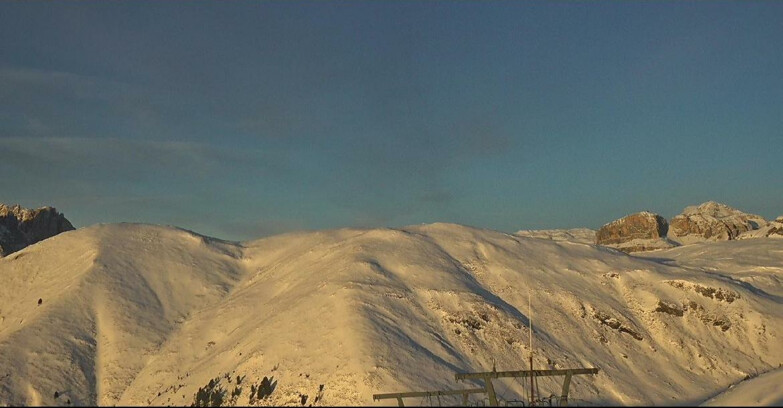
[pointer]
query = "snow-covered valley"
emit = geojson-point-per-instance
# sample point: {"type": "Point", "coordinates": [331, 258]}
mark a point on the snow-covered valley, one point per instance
{"type": "Point", "coordinates": [134, 314]}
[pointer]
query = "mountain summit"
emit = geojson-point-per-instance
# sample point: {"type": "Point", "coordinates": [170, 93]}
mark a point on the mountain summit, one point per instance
{"type": "Point", "coordinates": [712, 221]}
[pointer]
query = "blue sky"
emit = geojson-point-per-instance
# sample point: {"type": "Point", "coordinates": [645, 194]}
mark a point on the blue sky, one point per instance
{"type": "Point", "coordinates": [245, 119]}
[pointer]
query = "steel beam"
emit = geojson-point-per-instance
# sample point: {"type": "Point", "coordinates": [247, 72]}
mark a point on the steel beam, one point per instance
{"type": "Point", "coordinates": [524, 373]}
{"type": "Point", "coordinates": [400, 395]}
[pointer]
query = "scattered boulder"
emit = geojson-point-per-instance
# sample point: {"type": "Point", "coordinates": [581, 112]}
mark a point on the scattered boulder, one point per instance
{"type": "Point", "coordinates": [713, 221]}
{"type": "Point", "coordinates": [20, 227]}
{"type": "Point", "coordinates": [642, 231]}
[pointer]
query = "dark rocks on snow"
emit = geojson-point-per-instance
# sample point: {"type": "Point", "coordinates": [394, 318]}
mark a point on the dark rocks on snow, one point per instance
{"type": "Point", "coordinates": [20, 227]}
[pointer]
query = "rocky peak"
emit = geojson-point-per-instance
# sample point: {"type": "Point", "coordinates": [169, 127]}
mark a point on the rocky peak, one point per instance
{"type": "Point", "coordinates": [713, 221]}
{"type": "Point", "coordinates": [717, 210]}
{"type": "Point", "coordinates": [20, 227]}
{"type": "Point", "coordinates": [641, 231]}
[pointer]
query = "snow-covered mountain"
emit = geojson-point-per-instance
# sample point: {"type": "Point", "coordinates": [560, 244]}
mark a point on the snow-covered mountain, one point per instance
{"type": "Point", "coordinates": [712, 221]}
{"type": "Point", "coordinates": [140, 314]}
{"type": "Point", "coordinates": [709, 221]}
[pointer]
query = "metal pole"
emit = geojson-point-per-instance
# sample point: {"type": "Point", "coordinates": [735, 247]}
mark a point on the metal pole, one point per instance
{"type": "Point", "coordinates": [493, 400]}
{"type": "Point", "coordinates": [564, 395]}
{"type": "Point", "coordinates": [530, 320]}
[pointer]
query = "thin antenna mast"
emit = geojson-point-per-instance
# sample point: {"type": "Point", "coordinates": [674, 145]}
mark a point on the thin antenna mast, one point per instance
{"type": "Point", "coordinates": [530, 320]}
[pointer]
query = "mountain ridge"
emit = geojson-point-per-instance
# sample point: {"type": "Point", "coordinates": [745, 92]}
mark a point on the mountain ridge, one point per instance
{"type": "Point", "coordinates": [360, 311]}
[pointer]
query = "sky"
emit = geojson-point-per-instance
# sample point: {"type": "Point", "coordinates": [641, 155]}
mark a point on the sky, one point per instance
{"type": "Point", "coordinates": [246, 119]}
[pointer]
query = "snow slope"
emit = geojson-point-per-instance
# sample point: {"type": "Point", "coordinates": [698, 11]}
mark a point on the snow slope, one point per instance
{"type": "Point", "coordinates": [756, 262]}
{"type": "Point", "coordinates": [111, 295]}
{"type": "Point", "coordinates": [580, 235]}
{"type": "Point", "coordinates": [772, 229]}
{"type": "Point", "coordinates": [139, 314]}
{"type": "Point", "coordinates": [764, 390]}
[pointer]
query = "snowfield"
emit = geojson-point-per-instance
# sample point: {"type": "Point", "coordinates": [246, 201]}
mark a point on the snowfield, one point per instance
{"type": "Point", "coordinates": [580, 235]}
{"type": "Point", "coordinates": [137, 314]}
{"type": "Point", "coordinates": [764, 390]}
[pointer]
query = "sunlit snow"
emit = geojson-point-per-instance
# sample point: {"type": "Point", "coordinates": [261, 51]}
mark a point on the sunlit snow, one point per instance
{"type": "Point", "coordinates": [140, 314]}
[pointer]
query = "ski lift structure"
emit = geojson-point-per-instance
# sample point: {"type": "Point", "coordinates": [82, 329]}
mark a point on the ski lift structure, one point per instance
{"type": "Point", "coordinates": [489, 388]}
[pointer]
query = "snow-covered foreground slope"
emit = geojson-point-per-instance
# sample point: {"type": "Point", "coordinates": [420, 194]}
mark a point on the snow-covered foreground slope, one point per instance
{"type": "Point", "coordinates": [764, 390]}
{"type": "Point", "coordinates": [138, 314]}
{"type": "Point", "coordinates": [110, 296]}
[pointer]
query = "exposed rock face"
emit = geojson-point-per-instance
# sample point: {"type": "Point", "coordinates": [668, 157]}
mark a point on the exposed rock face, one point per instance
{"type": "Point", "coordinates": [641, 231]}
{"type": "Point", "coordinates": [713, 221]}
{"type": "Point", "coordinates": [773, 229]}
{"type": "Point", "coordinates": [20, 227]}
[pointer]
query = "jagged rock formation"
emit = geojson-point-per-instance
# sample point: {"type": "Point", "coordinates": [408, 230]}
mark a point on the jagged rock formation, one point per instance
{"type": "Point", "coordinates": [641, 231]}
{"type": "Point", "coordinates": [713, 221]}
{"type": "Point", "coordinates": [773, 229]}
{"type": "Point", "coordinates": [20, 227]}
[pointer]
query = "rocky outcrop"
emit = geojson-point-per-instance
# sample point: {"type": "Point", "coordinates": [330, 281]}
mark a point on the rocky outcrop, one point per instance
{"type": "Point", "coordinates": [773, 229]}
{"type": "Point", "coordinates": [20, 227]}
{"type": "Point", "coordinates": [641, 231]}
{"type": "Point", "coordinates": [712, 221]}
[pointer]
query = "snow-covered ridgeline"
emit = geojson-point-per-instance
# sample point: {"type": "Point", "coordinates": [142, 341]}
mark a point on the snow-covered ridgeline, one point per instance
{"type": "Point", "coordinates": [139, 314]}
